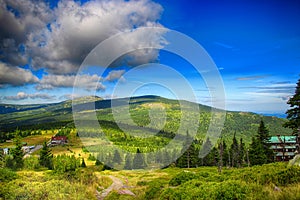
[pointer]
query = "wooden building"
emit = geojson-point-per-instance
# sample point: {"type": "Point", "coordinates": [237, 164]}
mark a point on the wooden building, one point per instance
{"type": "Point", "coordinates": [284, 147]}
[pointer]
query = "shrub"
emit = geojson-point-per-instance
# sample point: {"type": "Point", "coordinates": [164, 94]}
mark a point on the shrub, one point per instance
{"type": "Point", "coordinates": [64, 163]}
{"type": "Point", "coordinates": [7, 174]}
{"type": "Point", "coordinates": [31, 163]}
{"type": "Point", "coordinates": [154, 189]}
{"type": "Point", "coordinates": [182, 177]}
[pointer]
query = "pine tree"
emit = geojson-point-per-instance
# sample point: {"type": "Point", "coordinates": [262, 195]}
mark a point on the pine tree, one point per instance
{"type": "Point", "coordinates": [83, 165]}
{"type": "Point", "coordinates": [2, 158]}
{"type": "Point", "coordinates": [234, 152]}
{"type": "Point", "coordinates": [242, 153]}
{"type": "Point", "coordinates": [128, 162]}
{"type": "Point", "coordinates": [138, 160]}
{"type": "Point", "coordinates": [189, 157]}
{"type": "Point", "coordinates": [257, 155]}
{"type": "Point", "coordinates": [205, 153]}
{"type": "Point", "coordinates": [17, 154]}
{"type": "Point", "coordinates": [264, 137]}
{"type": "Point", "coordinates": [166, 158]}
{"type": "Point", "coordinates": [46, 156]}
{"type": "Point", "coordinates": [221, 152]}
{"type": "Point", "coordinates": [117, 158]}
{"type": "Point", "coordinates": [293, 114]}
{"type": "Point", "coordinates": [225, 154]}
{"type": "Point", "coordinates": [98, 162]}
{"type": "Point", "coordinates": [260, 152]}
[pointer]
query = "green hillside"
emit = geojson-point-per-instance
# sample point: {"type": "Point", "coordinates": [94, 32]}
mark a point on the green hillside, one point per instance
{"type": "Point", "coordinates": [55, 115]}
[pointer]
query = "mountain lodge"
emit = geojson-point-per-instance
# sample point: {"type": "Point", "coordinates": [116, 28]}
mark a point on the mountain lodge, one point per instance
{"type": "Point", "coordinates": [58, 140]}
{"type": "Point", "coordinates": [284, 147]}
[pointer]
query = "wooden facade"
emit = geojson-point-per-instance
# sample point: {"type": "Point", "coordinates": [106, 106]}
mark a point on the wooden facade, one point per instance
{"type": "Point", "coordinates": [284, 147]}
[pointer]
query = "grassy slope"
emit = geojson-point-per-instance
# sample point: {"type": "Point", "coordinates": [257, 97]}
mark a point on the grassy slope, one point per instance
{"type": "Point", "coordinates": [52, 115]}
{"type": "Point", "coordinates": [172, 183]}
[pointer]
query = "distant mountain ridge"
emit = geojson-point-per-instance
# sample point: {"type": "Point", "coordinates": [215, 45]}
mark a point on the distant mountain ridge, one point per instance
{"type": "Point", "coordinates": [50, 115]}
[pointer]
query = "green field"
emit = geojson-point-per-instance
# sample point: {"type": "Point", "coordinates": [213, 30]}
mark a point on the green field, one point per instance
{"type": "Point", "coordinates": [68, 180]}
{"type": "Point", "coordinates": [272, 181]}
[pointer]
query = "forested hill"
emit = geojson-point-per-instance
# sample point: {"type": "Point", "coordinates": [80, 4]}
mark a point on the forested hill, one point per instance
{"type": "Point", "coordinates": [60, 114]}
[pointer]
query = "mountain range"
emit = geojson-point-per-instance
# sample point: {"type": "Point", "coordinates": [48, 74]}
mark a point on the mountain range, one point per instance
{"type": "Point", "coordinates": [55, 115]}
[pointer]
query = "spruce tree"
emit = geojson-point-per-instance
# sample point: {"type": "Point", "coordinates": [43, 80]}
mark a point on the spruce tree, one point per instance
{"type": "Point", "coordinates": [83, 165]}
{"type": "Point", "coordinates": [117, 158]}
{"type": "Point", "coordinates": [206, 147]}
{"type": "Point", "coordinates": [189, 158]}
{"type": "Point", "coordinates": [257, 155]}
{"type": "Point", "coordinates": [260, 152]}
{"type": "Point", "coordinates": [293, 114]}
{"type": "Point", "coordinates": [2, 158]}
{"type": "Point", "coordinates": [138, 160]}
{"type": "Point", "coordinates": [17, 154]}
{"type": "Point", "coordinates": [234, 152]}
{"type": "Point", "coordinates": [128, 162]}
{"type": "Point", "coordinates": [98, 162]}
{"type": "Point", "coordinates": [46, 156]}
{"type": "Point", "coordinates": [242, 153]}
{"type": "Point", "coordinates": [221, 152]}
{"type": "Point", "coordinates": [225, 154]}
{"type": "Point", "coordinates": [264, 137]}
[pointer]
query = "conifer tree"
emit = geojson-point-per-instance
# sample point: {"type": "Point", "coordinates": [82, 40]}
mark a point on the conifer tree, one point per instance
{"type": "Point", "coordinates": [117, 158]}
{"type": "Point", "coordinates": [234, 152]}
{"type": "Point", "coordinates": [221, 152]}
{"type": "Point", "coordinates": [46, 156]}
{"type": "Point", "coordinates": [260, 152]}
{"type": "Point", "coordinates": [257, 155]}
{"type": "Point", "coordinates": [293, 114]}
{"type": "Point", "coordinates": [138, 160]}
{"type": "Point", "coordinates": [83, 165]}
{"type": "Point", "coordinates": [128, 162]}
{"type": "Point", "coordinates": [190, 157]}
{"type": "Point", "coordinates": [206, 147]}
{"type": "Point", "coordinates": [17, 154]}
{"type": "Point", "coordinates": [242, 153]}
{"type": "Point", "coordinates": [2, 158]}
{"type": "Point", "coordinates": [225, 154]}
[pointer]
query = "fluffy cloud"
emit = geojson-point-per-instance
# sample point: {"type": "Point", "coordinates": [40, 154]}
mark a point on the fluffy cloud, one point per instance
{"type": "Point", "coordinates": [88, 82]}
{"type": "Point", "coordinates": [58, 39]}
{"type": "Point", "coordinates": [77, 29]}
{"type": "Point", "coordinates": [69, 96]}
{"type": "Point", "coordinates": [18, 19]}
{"type": "Point", "coordinates": [15, 76]}
{"type": "Point", "coordinates": [23, 95]}
{"type": "Point", "coordinates": [115, 75]}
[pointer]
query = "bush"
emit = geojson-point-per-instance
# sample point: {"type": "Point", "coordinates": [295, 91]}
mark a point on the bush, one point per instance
{"type": "Point", "coordinates": [181, 178]}
{"type": "Point", "coordinates": [154, 189]}
{"type": "Point", "coordinates": [64, 163]}
{"type": "Point", "coordinates": [196, 189]}
{"type": "Point", "coordinates": [31, 163]}
{"type": "Point", "coordinates": [52, 189]}
{"type": "Point", "coordinates": [7, 175]}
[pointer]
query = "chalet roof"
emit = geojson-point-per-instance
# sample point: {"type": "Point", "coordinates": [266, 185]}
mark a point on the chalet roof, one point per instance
{"type": "Point", "coordinates": [284, 139]}
{"type": "Point", "coordinates": [59, 138]}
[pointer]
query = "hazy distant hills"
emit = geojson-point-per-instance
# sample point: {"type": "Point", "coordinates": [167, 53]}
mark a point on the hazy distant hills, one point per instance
{"type": "Point", "coordinates": [60, 114]}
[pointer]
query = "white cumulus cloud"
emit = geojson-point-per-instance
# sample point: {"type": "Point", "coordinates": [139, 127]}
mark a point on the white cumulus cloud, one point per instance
{"type": "Point", "coordinates": [23, 95]}
{"type": "Point", "coordinates": [15, 76]}
{"type": "Point", "coordinates": [87, 82]}
{"type": "Point", "coordinates": [77, 29]}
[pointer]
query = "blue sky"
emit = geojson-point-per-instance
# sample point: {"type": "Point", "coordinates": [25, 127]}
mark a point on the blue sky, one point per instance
{"type": "Point", "coordinates": [254, 44]}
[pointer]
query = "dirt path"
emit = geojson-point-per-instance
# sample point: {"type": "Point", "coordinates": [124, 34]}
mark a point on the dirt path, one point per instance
{"type": "Point", "coordinates": [116, 185]}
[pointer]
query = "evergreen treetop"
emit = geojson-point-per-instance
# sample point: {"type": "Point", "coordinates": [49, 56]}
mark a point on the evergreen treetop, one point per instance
{"type": "Point", "coordinates": [293, 114]}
